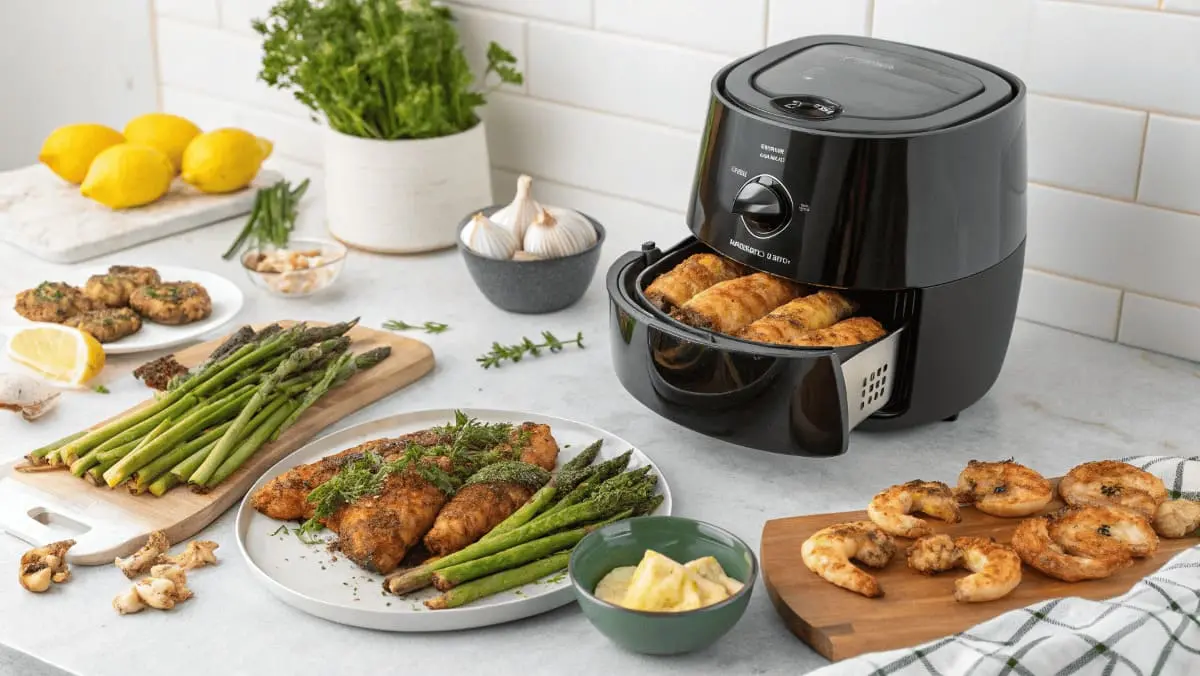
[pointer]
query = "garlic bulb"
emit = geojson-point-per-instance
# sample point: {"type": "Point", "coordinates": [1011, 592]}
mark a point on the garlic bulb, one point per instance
{"type": "Point", "coordinates": [517, 216]}
{"type": "Point", "coordinates": [487, 239]}
{"type": "Point", "coordinates": [28, 396]}
{"type": "Point", "coordinates": [558, 233]}
{"type": "Point", "coordinates": [526, 256]}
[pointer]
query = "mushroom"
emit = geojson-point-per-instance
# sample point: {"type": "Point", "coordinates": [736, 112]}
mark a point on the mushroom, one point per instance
{"type": "Point", "coordinates": [150, 554]}
{"type": "Point", "coordinates": [163, 589]}
{"type": "Point", "coordinates": [199, 553]}
{"type": "Point", "coordinates": [43, 565]}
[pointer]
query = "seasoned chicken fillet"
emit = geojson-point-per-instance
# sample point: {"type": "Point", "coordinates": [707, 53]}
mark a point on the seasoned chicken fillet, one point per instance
{"type": "Point", "coordinates": [851, 331]}
{"type": "Point", "coordinates": [490, 496]}
{"type": "Point", "coordinates": [377, 531]}
{"type": "Point", "coordinates": [108, 325]}
{"type": "Point", "coordinates": [730, 306]}
{"type": "Point", "coordinates": [537, 445]}
{"type": "Point", "coordinates": [816, 311]}
{"type": "Point", "coordinates": [695, 274]}
{"type": "Point", "coordinates": [286, 496]}
{"type": "Point", "coordinates": [172, 302]}
{"type": "Point", "coordinates": [53, 302]}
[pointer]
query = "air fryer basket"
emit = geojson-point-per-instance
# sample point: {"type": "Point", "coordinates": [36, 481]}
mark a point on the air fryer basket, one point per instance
{"type": "Point", "coordinates": [724, 386]}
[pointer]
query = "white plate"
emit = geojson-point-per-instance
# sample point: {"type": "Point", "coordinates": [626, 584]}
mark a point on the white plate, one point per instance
{"type": "Point", "coordinates": [226, 297]}
{"type": "Point", "coordinates": [304, 576]}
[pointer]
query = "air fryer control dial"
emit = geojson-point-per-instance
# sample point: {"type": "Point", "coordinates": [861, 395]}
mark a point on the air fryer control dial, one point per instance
{"type": "Point", "coordinates": [763, 205]}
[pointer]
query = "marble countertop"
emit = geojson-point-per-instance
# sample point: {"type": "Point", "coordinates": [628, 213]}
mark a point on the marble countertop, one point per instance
{"type": "Point", "coordinates": [1061, 399]}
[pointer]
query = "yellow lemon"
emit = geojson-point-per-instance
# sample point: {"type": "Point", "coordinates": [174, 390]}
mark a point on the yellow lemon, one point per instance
{"type": "Point", "coordinates": [58, 352]}
{"type": "Point", "coordinates": [128, 175]}
{"type": "Point", "coordinates": [169, 133]}
{"type": "Point", "coordinates": [69, 150]}
{"type": "Point", "coordinates": [224, 160]}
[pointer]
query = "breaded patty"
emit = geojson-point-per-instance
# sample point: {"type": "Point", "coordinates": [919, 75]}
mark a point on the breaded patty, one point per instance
{"type": "Point", "coordinates": [172, 302]}
{"type": "Point", "coordinates": [53, 302]}
{"type": "Point", "coordinates": [108, 325]}
{"type": "Point", "coordinates": [115, 288]}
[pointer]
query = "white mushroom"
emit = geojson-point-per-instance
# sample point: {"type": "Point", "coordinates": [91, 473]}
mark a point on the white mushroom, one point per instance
{"type": "Point", "coordinates": [199, 553]}
{"type": "Point", "coordinates": [128, 602]}
{"type": "Point", "coordinates": [163, 589]}
{"type": "Point", "coordinates": [150, 554]}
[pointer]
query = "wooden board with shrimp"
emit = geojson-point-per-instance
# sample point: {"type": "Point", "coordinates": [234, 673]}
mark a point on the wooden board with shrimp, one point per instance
{"type": "Point", "coordinates": [913, 554]}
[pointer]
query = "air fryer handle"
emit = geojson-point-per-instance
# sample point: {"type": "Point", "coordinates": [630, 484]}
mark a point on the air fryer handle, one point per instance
{"type": "Point", "coordinates": [819, 415]}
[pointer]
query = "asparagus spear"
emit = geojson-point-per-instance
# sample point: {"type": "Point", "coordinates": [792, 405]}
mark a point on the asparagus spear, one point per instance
{"type": "Point", "coordinates": [252, 443]}
{"type": "Point", "coordinates": [297, 361]}
{"type": "Point", "coordinates": [97, 457]}
{"type": "Point", "coordinates": [601, 473]}
{"type": "Point", "coordinates": [565, 480]}
{"type": "Point", "coordinates": [184, 470]}
{"type": "Point", "coordinates": [604, 503]}
{"type": "Point", "coordinates": [37, 455]}
{"type": "Point", "coordinates": [163, 464]}
{"type": "Point", "coordinates": [498, 582]}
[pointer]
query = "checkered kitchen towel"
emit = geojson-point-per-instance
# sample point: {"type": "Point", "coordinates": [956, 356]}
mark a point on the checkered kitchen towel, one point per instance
{"type": "Point", "coordinates": [1154, 629]}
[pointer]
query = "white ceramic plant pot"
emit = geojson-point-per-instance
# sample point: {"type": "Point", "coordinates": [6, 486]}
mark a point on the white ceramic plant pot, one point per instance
{"type": "Point", "coordinates": [404, 196]}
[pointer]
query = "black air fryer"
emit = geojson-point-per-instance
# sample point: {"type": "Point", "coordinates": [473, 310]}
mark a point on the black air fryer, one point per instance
{"type": "Point", "coordinates": [891, 173]}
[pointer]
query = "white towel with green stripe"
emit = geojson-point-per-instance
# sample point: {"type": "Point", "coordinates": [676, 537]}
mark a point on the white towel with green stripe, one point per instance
{"type": "Point", "coordinates": [1153, 630]}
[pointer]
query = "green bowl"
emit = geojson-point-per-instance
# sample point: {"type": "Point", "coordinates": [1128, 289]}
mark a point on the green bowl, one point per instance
{"type": "Point", "coordinates": [652, 633]}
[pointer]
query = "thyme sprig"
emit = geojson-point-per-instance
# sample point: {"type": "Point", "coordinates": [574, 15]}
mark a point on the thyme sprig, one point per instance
{"type": "Point", "coordinates": [427, 327]}
{"type": "Point", "coordinates": [516, 353]}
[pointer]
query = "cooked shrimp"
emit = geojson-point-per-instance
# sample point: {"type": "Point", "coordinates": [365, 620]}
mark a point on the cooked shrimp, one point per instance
{"type": "Point", "coordinates": [1109, 482]}
{"type": "Point", "coordinates": [828, 552]}
{"type": "Point", "coordinates": [995, 568]}
{"type": "Point", "coordinates": [1083, 543]}
{"type": "Point", "coordinates": [891, 509]}
{"type": "Point", "coordinates": [1003, 488]}
{"type": "Point", "coordinates": [1177, 518]}
{"type": "Point", "coordinates": [1098, 532]}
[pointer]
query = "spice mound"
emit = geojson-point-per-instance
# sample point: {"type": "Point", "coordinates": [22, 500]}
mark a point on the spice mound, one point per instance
{"type": "Point", "coordinates": [292, 272]}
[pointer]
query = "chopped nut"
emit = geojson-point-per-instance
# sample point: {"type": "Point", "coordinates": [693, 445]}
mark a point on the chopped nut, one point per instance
{"type": "Point", "coordinates": [43, 565]}
{"type": "Point", "coordinates": [163, 589]}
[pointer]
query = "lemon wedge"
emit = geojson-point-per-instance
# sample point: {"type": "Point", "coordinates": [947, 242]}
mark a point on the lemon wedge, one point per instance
{"type": "Point", "coordinates": [60, 353]}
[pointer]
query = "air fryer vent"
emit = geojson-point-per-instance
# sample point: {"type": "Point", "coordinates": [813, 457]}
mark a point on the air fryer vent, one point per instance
{"type": "Point", "coordinates": [873, 387]}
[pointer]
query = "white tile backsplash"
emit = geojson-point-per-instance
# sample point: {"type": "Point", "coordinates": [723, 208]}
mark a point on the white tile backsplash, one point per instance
{"type": "Point", "coordinates": [616, 94]}
{"type": "Point", "coordinates": [1070, 304]}
{"type": "Point", "coordinates": [1171, 177]}
{"type": "Point", "coordinates": [1140, 59]}
{"type": "Point", "coordinates": [797, 18]}
{"type": "Point", "coordinates": [991, 30]}
{"type": "Point", "coordinates": [1161, 326]}
{"type": "Point", "coordinates": [733, 27]}
{"type": "Point", "coordinates": [608, 73]}
{"type": "Point", "coordinates": [1085, 146]}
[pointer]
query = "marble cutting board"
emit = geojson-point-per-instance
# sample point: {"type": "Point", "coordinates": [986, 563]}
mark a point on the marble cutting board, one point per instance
{"type": "Point", "coordinates": [48, 218]}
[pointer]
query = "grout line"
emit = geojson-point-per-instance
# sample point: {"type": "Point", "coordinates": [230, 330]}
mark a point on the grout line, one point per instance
{"type": "Point", "coordinates": [592, 7]}
{"type": "Point", "coordinates": [1120, 311]}
{"type": "Point", "coordinates": [1056, 327]}
{"type": "Point", "coordinates": [158, 83]}
{"type": "Point", "coordinates": [594, 191]}
{"type": "Point", "coordinates": [1110, 198]}
{"type": "Point", "coordinates": [1073, 278]}
{"type": "Point", "coordinates": [1120, 106]}
{"type": "Point", "coordinates": [766, 28]}
{"type": "Point", "coordinates": [1137, 181]}
{"type": "Point", "coordinates": [694, 133]}
{"type": "Point", "coordinates": [1160, 9]}
{"type": "Point", "coordinates": [870, 18]}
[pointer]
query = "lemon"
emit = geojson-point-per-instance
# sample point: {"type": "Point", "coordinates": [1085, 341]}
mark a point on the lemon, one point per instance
{"type": "Point", "coordinates": [58, 352]}
{"type": "Point", "coordinates": [69, 150]}
{"type": "Point", "coordinates": [128, 175]}
{"type": "Point", "coordinates": [169, 133]}
{"type": "Point", "coordinates": [224, 160]}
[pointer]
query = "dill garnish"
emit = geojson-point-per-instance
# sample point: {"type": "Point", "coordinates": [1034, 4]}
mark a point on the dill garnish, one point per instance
{"type": "Point", "coordinates": [427, 327]}
{"type": "Point", "coordinates": [282, 529]}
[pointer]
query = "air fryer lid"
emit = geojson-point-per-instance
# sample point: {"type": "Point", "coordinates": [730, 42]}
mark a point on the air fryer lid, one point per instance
{"type": "Point", "coordinates": [863, 85]}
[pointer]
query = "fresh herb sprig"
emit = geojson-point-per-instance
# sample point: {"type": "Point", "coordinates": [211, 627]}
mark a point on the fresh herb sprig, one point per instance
{"type": "Point", "coordinates": [101, 389]}
{"type": "Point", "coordinates": [272, 218]}
{"type": "Point", "coordinates": [377, 68]}
{"type": "Point", "coordinates": [427, 327]}
{"type": "Point", "coordinates": [516, 353]}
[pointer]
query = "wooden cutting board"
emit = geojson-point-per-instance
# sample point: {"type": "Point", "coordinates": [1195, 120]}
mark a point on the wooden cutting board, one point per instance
{"type": "Point", "coordinates": [41, 507]}
{"type": "Point", "coordinates": [45, 216]}
{"type": "Point", "coordinates": [915, 608]}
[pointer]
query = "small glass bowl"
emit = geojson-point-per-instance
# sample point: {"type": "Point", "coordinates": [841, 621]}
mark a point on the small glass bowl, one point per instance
{"type": "Point", "coordinates": [299, 283]}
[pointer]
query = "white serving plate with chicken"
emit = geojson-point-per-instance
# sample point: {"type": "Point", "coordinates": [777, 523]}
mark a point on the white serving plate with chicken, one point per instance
{"type": "Point", "coordinates": [324, 583]}
{"type": "Point", "coordinates": [227, 300]}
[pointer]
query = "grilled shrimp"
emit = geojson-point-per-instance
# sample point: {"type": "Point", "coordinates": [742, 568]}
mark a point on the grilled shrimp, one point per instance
{"type": "Point", "coordinates": [1084, 543]}
{"type": "Point", "coordinates": [1005, 488]}
{"type": "Point", "coordinates": [891, 509]}
{"type": "Point", "coordinates": [995, 568]}
{"type": "Point", "coordinates": [828, 552]}
{"type": "Point", "coordinates": [1177, 518]}
{"type": "Point", "coordinates": [1109, 482]}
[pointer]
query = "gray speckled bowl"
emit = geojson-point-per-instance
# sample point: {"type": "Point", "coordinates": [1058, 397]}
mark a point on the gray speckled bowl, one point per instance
{"type": "Point", "coordinates": [532, 287]}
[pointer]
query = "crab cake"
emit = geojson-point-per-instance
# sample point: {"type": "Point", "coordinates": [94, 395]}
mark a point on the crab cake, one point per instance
{"type": "Point", "coordinates": [109, 325]}
{"type": "Point", "coordinates": [52, 302]}
{"type": "Point", "coordinates": [113, 289]}
{"type": "Point", "coordinates": [172, 302]}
